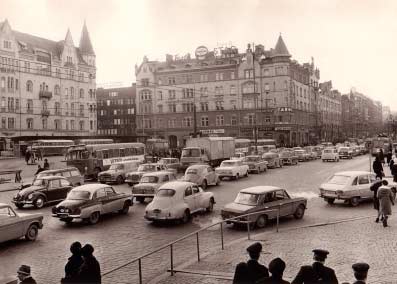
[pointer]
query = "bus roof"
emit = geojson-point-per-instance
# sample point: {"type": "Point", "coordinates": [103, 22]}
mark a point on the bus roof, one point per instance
{"type": "Point", "coordinates": [109, 146]}
{"type": "Point", "coordinates": [49, 141]}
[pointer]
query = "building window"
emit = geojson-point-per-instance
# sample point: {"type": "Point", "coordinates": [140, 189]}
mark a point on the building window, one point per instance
{"type": "Point", "coordinates": [204, 106]}
{"type": "Point", "coordinates": [29, 123]}
{"type": "Point", "coordinates": [267, 118]}
{"type": "Point", "coordinates": [81, 94]}
{"type": "Point", "coordinates": [204, 91]}
{"type": "Point", "coordinates": [72, 125]}
{"type": "Point", "coordinates": [57, 124]}
{"type": "Point", "coordinates": [7, 44]}
{"type": "Point", "coordinates": [266, 72]}
{"type": "Point", "coordinates": [187, 121]}
{"type": "Point", "coordinates": [204, 77]}
{"type": "Point", "coordinates": [171, 94]}
{"type": "Point", "coordinates": [160, 95]}
{"type": "Point", "coordinates": [91, 125]}
{"type": "Point", "coordinates": [71, 93]}
{"type": "Point", "coordinates": [233, 90]}
{"type": "Point", "coordinates": [29, 106]}
{"type": "Point", "coordinates": [172, 123]}
{"type": "Point", "coordinates": [29, 86]}
{"type": "Point", "coordinates": [233, 120]}
{"type": "Point", "coordinates": [57, 108]}
{"type": "Point", "coordinates": [81, 125]}
{"type": "Point", "coordinates": [44, 123]}
{"type": "Point", "coordinates": [219, 120]}
{"type": "Point", "coordinates": [248, 104]}
{"type": "Point", "coordinates": [3, 123]}
{"type": "Point", "coordinates": [251, 119]}
{"type": "Point", "coordinates": [57, 90]}
{"type": "Point", "coordinates": [233, 104]}
{"type": "Point", "coordinates": [172, 107]}
{"type": "Point", "coordinates": [145, 82]}
{"type": "Point", "coordinates": [188, 107]}
{"type": "Point", "coordinates": [232, 76]}
{"type": "Point", "coordinates": [171, 80]}
{"type": "Point", "coordinates": [66, 93]}
{"type": "Point", "coordinates": [204, 121]}
{"type": "Point", "coordinates": [249, 73]}
{"type": "Point", "coordinates": [160, 107]}
{"type": "Point", "coordinates": [219, 105]}
{"type": "Point", "coordinates": [11, 123]}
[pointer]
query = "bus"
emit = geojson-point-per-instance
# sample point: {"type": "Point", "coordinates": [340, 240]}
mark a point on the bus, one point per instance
{"type": "Point", "coordinates": [263, 145]}
{"type": "Point", "coordinates": [157, 147]}
{"type": "Point", "coordinates": [51, 147]}
{"type": "Point", "coordinates": [93, 141]}
{"type": "Point", "coordinates": [380, 142]}
{"type": "Point", "coordinates": [93, 159]}
{"type": "Point", "coordinates": [242, 145]}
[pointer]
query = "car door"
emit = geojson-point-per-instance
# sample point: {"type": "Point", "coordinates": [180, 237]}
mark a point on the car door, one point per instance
{"type": "Point", "coordinates": [66, 186]}
{"type": "Point", "coordinates": [112, 202]}
{"type": "Point", "coordinates": [363, 186]}
{"type": "Point", "coordinates": [101, 199]}
{"type": "Point", "coordinates": [54, 191]}
{"type": "Point", "coordinates": [198, 197]}
{"type": "Point", "coordinates": [189, 199]}
{"type": "Point", "coordinates": [211, 175]}
{"type": "Point", "coordinates": [11, 225]}
{"type": "Point", "coordinates": [283, 202]}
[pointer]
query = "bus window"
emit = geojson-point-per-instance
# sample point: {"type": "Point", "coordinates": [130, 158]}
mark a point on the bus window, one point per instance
{"type": "Point", "coordinates": [122, 152]}
{"type": "Point", "coordinates": [105, 154]}
{"type": "Point", "coordinates": [128, 152]}
{"type": "Point", "coordinates": [85, 155]}
{"type": "Point", "coordinates": [115, 153]}
{"type": "Point", "coordinates": [139, 151]}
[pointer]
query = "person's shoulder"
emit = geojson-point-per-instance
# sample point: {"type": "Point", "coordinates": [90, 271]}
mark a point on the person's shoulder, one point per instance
{"type": "Point", "coordinates": [329, 269]}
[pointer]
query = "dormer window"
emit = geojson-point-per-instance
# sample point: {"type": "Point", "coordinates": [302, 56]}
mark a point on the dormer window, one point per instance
{"type": "Point", "coordinates": [69, 59]}
{"type": "Point", "coordinates": [7, 44]}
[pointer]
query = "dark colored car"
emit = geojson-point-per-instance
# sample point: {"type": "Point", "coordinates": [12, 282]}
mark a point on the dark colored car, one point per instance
{"type": "Point", "coordinates": [43, 190]}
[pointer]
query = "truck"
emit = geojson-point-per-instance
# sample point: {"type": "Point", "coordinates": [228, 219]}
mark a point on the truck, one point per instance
{"type": "Point", "coordinates": [211, 150]}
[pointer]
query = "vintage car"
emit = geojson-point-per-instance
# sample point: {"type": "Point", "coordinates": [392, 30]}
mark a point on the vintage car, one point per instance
{"type": "Point", "coordinates": [330, 154]}
{"type": "Point", "coordinates": [202, 175]}
{"type": "Point", "coordinates": [178, 200]}
{"type": "Point", "coordinates": [14, 226]}
{"type": "Point", "coordinates": [313, 155]}
{"type": "Point", "coordinates": [150, 183]}
{"type": "Point", "coordinates": [117, 172]}
{"type": "Point", "coordinates": [88, 202]}
{"type": "Point", "coordinates": [134, 177]}
{"type": "Point", "coordinates": [238, 156]}
{"type": "Point", "coordinates": [288, 157]}
{"type": "Point", "coordinates": [345, 153]}
{"type": "Point", "coordinates": [303, 156]}
{"type": "Point", "coordinates": [260, 198]}
{"type": "Point", "coordinates": [171, 164]}
{"type": "Point", "coordinates": [349, 186]}
{"type": "Point", "coordinates": [273, 160]}
{"type": "Point", "coordinates": [255, 164]}
{"type": "Point", "coordinates": [232, 169]}
{"type": "Point", "coordinates": [43, 190]}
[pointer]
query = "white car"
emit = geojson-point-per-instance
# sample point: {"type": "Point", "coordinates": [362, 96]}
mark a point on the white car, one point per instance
{"type": "Point", "coordinates": [232, 169]}
{"type": "Point", "coordinates": [178, 200]}
{"type": "Point", "coordinates": [330, 154]}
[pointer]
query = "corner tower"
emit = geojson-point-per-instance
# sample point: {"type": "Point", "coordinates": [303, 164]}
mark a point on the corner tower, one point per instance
{"type": "Point", "coordinates": [85, 47]}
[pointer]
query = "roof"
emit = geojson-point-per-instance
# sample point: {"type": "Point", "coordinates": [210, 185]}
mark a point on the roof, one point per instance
{"type": "Point", "coordinates": [90, 187]}
{"type": "Point", "coordinates": [280, 49]}
{"type": "Point", "coordinates": [52, 177]}
{"type": "Point", "coordinates": [177, 185]}
{"type": "Point", "coordinates": [159, 173]}
{"type": "Point", "coordinates": [199, 166]}
{"type": "Point", "coordinates": [85, 45]}
{"type": "Point", "coordinates": [352, 173]}
{"type": "Point", "coordinates": [260, 189]}
{"type": "Point", "coordinates": [58, 170]}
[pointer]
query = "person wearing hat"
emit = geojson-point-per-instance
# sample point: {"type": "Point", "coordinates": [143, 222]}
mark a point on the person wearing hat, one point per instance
{"type": "Point", "coordinates": [386, 199]}
{"type": "Point", "coordinates": [360, 272]}
{"type": "Point", "coordinates": [317, 272]}
{"type": "Point", "coordinates": [256, 271]}
{"type": "Point", "coordinates": [90, 270]}
{"type": "Point", "coordinates": [74, 263]}
{"type": "Point", "coordinates": [24, 275]}
{"type": "Point", "coordinates": [276, 268]}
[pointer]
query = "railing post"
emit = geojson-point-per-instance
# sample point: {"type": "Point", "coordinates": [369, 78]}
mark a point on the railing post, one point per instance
{"type": "Point", "coordinates": [248, 230]}
{"type": "Point", "coordinates": [222, 235]}
{"type": "Point", "coordinates": [140, 270]}
{"type": "Point", "coordinates": [198, 247]}
{"type": "Point", "coordinates": [278, 217]}
{"type": "Point", "coordinates": [172, 260]}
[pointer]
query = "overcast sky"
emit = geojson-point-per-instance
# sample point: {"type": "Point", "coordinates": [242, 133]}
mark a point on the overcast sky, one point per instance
{"type": "Point", "coordinates": [353, 42]}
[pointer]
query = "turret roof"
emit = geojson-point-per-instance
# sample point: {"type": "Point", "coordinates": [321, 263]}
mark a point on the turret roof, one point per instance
{"type": "Point", "coordinates": [85, 42]}
{"type": "Point", "coordinates": [281, 48]}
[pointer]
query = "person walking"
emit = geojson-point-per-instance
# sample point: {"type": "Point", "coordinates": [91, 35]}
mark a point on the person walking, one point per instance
{"type": "Point", "coordinates": [73, 265]}
{"type": "Point", "coordinates": [360, 272]}
{"type": "Point", "coordinates": [24, 275]}
{"type": "Point", "coordinates": [90, 270]}
{"type": "Point", "coordinates": [241, 274]}
{"type": "Point", "coordinates": [27, 156]}
{"type": "Point", "coordinates": [381, 156]}
{"type": "Point", "coordinates": [374, 188]}
{"type": "Point", "coordinates": [317, 272]}
{"type": "Point", "coordinates": [39, 170]}
{"type": "Point", "coordinates": [377, 167]}
{"type": "Point", "coordinates": [276, 268]}
{"type": "Point", "coordinates": [385, 196]}
{"type": "Point", "coordinates": [46, 165]}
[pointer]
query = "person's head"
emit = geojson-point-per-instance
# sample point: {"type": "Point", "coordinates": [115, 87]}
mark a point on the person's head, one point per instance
{"type": "Point", "coordinates": [87, 250]}
{"type": "Point", "coordinates": [45, 160]}
{"type": "Point", "coordinates": [320, 255]}
{"type": "Point", "coordinates": [75, 248]}
{"type": "Point", "coordinates": [360, 270]}
{"type": "Point", "coordinates": [277, 267]}
{"type": "Point", "coordinates": [254, 250]}
{"type": "Point", "coordinates": [23, 272]}
{"type": "Point", "coordinates": [38, 166]}
{"type": "Point", "coordinates": [384, 182]}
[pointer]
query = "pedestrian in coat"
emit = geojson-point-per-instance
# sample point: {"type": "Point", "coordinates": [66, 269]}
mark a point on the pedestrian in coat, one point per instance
{"type": "Point", "coordinates": [374, 188]}
{"type": "Point", "coordinates": [385, 196]}
{"type": "Point", "coordinates": [46, 165]}
{"type": "Point", "coordinates": [73, 265]}
{"type": "Point", "coordinates": [276, 268]}
{"type": "Point", "coordinates": [27, 156]}
{"type": "Point", "coordinates": [90, 270]}
{"type": "Point", "coordinates": [241, 274]}
{"type": "Point", "coordinates": [388, 157]}
{"type": "Point", "coordinates": [255, 270]}
{"type": "Point", "coordinates": [381, 156]}
{"type": "Point", "coordinates": [391, 164]}
{"type": "Point", "coordinates": [317, 272]}
{"type": "Point", "coordinates": [394, 170]}
{"type": "Point", "coordinates": [377, 167]}
{"type": "Point", "coordinates": [24, 275]}
{"type": "Point", "coordinates": [360, 272]}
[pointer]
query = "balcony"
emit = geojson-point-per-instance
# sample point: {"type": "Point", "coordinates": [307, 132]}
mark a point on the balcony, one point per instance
{"type": "Point", "coordinates": [45, 112]}
{"type": "Point", "coordinates": [45, 95]}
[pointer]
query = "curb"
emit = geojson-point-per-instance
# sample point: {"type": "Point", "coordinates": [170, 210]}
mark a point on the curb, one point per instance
{"type": "Point", "coordinates": [8, 190]}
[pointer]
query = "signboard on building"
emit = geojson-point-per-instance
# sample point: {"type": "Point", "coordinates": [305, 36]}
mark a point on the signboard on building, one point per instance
{"type": "Point", "coordinates": [266, 128]}
{"type": "Point", "coordinates": [212, 131]}
{"type": "Point", "coordinates": [201, 52]}
{"type": "Point", "coordinates": [283, 128]}
{"type": "Point", "coordinates": [285, 109]}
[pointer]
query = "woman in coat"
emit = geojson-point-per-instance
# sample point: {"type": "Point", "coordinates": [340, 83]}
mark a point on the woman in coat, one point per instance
{"type": "Point", "coordinates": [386, 199]}
{"type": "Point", "coordinates": [377, 167]}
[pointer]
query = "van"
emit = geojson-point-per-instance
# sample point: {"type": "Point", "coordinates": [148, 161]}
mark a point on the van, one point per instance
{"type": "Point", "coordinates": [117, 172]}
{"type": "Point", "coordinates": [72, 174]}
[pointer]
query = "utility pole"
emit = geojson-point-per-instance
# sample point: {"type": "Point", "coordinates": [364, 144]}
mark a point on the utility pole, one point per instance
{"type": "Point", "coordinates": [255, 100]}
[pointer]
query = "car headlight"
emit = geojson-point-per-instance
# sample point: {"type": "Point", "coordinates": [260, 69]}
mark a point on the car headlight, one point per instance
{"type": "Point", "coordinates": [85, 169]}
{"type": "Point", "coordinates": [30, 196]}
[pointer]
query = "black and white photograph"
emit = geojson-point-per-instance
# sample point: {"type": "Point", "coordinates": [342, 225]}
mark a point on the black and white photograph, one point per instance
{"type": "Point", "coordinates": [198, 141]}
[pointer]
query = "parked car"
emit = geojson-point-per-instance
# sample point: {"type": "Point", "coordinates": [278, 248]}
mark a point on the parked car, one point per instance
{"type": "Point", "coordinates": [288, 157]}
{"type": "Point", "coordinates": [356, 150]}
{"type": "Point", "coordinates": [303, 156]}
{"type": "Point", "coordinates": [255, 164]}
{"type": "Point", "coordinates": [202, 175]}
{"type": "Point", "coordinates": [117, 172]}
{"type": "Point", "coordinates": [330, 154]}
{"type": "Point", "coordinates": [88, 202]}
{"type": "Point", "coordinates": [238, 156]}
{"type": "Point", "coordinates": [349, 186]}
{"type": "Point", "coordinates": [345, 152]}
{"type": "Point", "coordinates": [232, 169]}
{"type": "Point", "coordinates": [14, 226]}
{"type": "Point", "coordinates": [150, 183]}
{"type": "Point", "coordinates": [171, 164]}
{"type": "Point", "coordinates": [135, 176]}
{"type": "Point", "coordinates": [260, 198]}
{"type": "Point", "coordinates": [312, 153]}
{"type": "Point", "coordinates": [273, 160]}
{"type": "Point", "coordinates": [43, 190]}
{"type": "Point", "coordinates": [178, 200]}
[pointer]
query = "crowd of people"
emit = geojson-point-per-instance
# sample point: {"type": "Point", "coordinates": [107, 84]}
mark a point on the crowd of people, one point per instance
{"type": "Point", "coordinates": [252, 272]}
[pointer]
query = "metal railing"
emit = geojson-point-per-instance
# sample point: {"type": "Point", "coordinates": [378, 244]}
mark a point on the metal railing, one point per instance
{"type": "Point", "coordinates": [196, 233]}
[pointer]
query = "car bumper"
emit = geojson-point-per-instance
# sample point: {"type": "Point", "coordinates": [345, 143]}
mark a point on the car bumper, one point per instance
{"type": "Point", "coordinates": [154, 217]}
{"type": "Point", "coordinates": [334, 196]}
{"type": "Point", "coordinates": [143, 195]}
{"type": "Point", "coordinates": [66, 215]}
{"type": "Point", "coordinates": [107, 179]}
{"type": "Point", "coordinates": [131, 181]}
{"type": "Point", "coordinates": [22, 201]}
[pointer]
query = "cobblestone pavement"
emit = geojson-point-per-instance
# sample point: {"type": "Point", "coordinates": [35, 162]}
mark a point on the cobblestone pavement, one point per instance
{"type": "Point", "coordinates": [118, 239]}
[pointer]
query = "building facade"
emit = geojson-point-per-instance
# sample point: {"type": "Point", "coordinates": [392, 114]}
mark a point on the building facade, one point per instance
{"type": "Point", "coordinates": [116, 113]}
{"type": "Point", "coordinates": [47, 88]}
{"type": "Point", "coordinates": [227, 93]}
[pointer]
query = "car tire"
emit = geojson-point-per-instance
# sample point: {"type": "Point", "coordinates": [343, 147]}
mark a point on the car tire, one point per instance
{"type": "Point", "coordinates": [210, 207]}
{"type": "Point", "coordinates": [204, 185]}
{"type": "Point", "coordinates": [354, 201]}
{"type": "Point", "coordinates": [19, 205]}
{"type": "Point", "coordinates": [330, 201]}
{"type": "Point", "coordinates": [94, 218]}
{"type": "Point", "coordinates": [261, 221]}
{"type": "Point", "coordinates": [186, 216]}
{"type": "Point", "coordinates": [218, 181]}
{"type": "Point", "coordinates": [125, 209]}
{"type": "Point", "coordinates": [140, 199]}
{"type": "Point", "coordinates": [120, 180]}
{"type": "Point", "coordinates": [39, 202]}
{"type": "Point", "coordinates": [300, 212]}
{"type": "Point", "coordinates": [32, 232]}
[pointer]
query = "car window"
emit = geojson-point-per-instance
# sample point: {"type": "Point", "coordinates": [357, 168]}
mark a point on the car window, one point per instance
{"type": "Point", "coordinates": [75, 173]}
{"type": "Point", "coordinates": [109, 191]}
{"type": "Point", "coordinates": [195, 190]}
{"type": "Point", "coordinates": [64, 183]}
{"type": "Point", "coordinates": [372, 178]}
{"type": "Point", "coordinates": [269, 197]}
{"type": "Point", "coordinates": [188, 191]}
{"type": "Point", "coordinates": [54, 184]}
{"type": "Point", "coordinates": [66, 174]}
{"type": "Point", "coordinates": [363, 180]}
{"type": "Point", "coordinates": [166, 178]}
{"type": "Point", "coordinates": [280, 195]}
{"type": "Point", "coordinates": [100, 193]}
{"type": "Point", "coordinates": [355, 181]}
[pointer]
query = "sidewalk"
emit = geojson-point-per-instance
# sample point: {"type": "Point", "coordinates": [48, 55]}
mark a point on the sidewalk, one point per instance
{"type": "Point", "coordinates": [349, 242]}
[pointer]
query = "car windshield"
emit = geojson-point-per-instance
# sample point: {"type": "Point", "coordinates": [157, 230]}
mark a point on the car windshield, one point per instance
{"type": "Point", "coordinates": [190, 152]}
{"type": "Point", "coordinates": [116, 167]}
{"type": "Point", "coordinates": [166, 193]}
{"type": "Point", "coordinates": [43, 174]}
{"type": "Point", "coordinates": [228, 164]}
{"type": "Point", "coordinates": [146, 168]}
{"type": "Point", "coordinates": [343, 149]}
{"type": "Point", "coordinates": [149, 179]}
{"type": "Point", "coordinates": [192, 172]}
{"type": "Point", "coordinates": [339, 179]}
{"type": "Point", "coordinates": [247, 199]}
{"type": "Point", "coordinates": [251, 159]}
{"type": "Point", "coordinates": [166, 161]}
{"type": "Point", "coordinates": [40, 182]}
{"type": "Point", "coordinates": [79, 195]}
{"type": "Point", "coordinates": [327, 151]}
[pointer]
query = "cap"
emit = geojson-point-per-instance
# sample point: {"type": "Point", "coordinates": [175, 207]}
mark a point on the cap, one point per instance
{"type": "Point", "coordinates": [24, 269]}
{"type": "Point", "coordinates": [87, 250]}
{"type": "Point", "coordinates": [255, 248]}
{"type": "Point", "coordinates": [360, 267]}
{"type": "Point", "coordinates": [320, 254]}
{"type": "Point", "coordinates": [277, 266]}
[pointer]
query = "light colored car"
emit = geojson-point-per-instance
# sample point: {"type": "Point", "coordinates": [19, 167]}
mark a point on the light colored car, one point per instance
{"type": "Point", "coordinates": [273, 160]}
{"type": "Point", "coordinates": [232, 169]}
{"type": "Point", "coordinates": [345, 152]}
{"type": "Point", "coordinates": [14, 226]}
{"type": "Point", "coordinates": [202, 175]}
{"type": "Point", "coordinates": [303, 156]}
{"type": "Point", "coordinates": [171, 164]}
{"type": "Point", "coordinates": [150, 183]}
{"type": "Point", "coordinates": [117, 172]}
{"type": "Point", "coordinates": [255, 164]}
{"type": "Point", "coordinates": [288, 157]}
{"type": "Point", "coordinates": [178, 200]}
{"type": "Point", "coordinates": [330, 154]}
{"type": "Point", "coordinates": [238, 156]}
{"type": "Point", "coordinates": [88, 202]}
{"type": "Point", "coordinates": [134, 177]}
{"type": "Point", "coordinates": [259, 198]}
{"type": "Point", "coordinates": [350, 186]}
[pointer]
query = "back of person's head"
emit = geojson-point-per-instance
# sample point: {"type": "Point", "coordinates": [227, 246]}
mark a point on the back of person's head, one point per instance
{"type": "Point", "coordinates": [384, 182]}
{"type": "Point", "coordinates": [277, 267]}
{"type": "Point", "coordinates": [75, 248]}
{"type": "Point", "coordinates": [87, 250]}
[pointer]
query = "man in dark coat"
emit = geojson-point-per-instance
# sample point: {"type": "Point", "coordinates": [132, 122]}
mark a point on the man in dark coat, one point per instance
{"type": "Point", "coordinates": [276, 268]}
{"type": "Point", "coordinates": [241, 274]}
{"type": "Point", "coordinates": [74, 263]}
{"type": "Point", "coordinates": [317, 272]}
{"type": "Point", "coordinates": [46, 165]}
{"type": "Point", "coordinates": [374, 187]}
{"type": "Point", "coordinates": [377, 167]}
{"type": "Point", "coordinates": [24, 275]}
{"type": "Point", "coordinates": [39, 170]}
{"type": "Point", "coordinates": [381, 156]}
{"type": "Point", "coordinates": [360, 272]}
{"type": "Point", "coordinates": [90, 270]}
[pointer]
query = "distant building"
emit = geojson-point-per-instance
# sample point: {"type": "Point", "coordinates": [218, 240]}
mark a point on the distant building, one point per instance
{"type": "Point", "coordinates": [116, 113]}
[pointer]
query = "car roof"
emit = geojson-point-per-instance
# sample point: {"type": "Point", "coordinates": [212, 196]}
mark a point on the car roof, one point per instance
{"type": "Point", "coordinates": [200, 166]}
{"type": "Point", "coordinates": [353, 173]}
{"type": "Point", "coordinates": [3, 205]}
{"type": "Point", "coordinates": [90, 187]}
{"type": "Point", "coordinates": [260, 189]}
{"type": "Point", "coordinates": [159, 173]}
{"type": "Point", "coordinates": [60, 170]}
{"type": "Point", "coordinates": [150, 164]}
{"type": "Point", "coordinates": [177, 185]}
{"type": "Point", "coordinates": [255, 156]}
{"type": "Point", "coordinates": [52, 177]}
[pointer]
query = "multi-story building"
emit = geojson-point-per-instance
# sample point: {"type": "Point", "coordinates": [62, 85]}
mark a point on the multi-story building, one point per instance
{"type": "Point", "coordinates": [116, 113]}
{"type": "Point", "coordinates": [224, 92]}
{"type": "Point", "coordinates": [47, 88]}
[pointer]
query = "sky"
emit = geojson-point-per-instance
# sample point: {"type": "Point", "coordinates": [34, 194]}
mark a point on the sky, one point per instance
{"type": "Point", "coordinates": [353, 42]}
